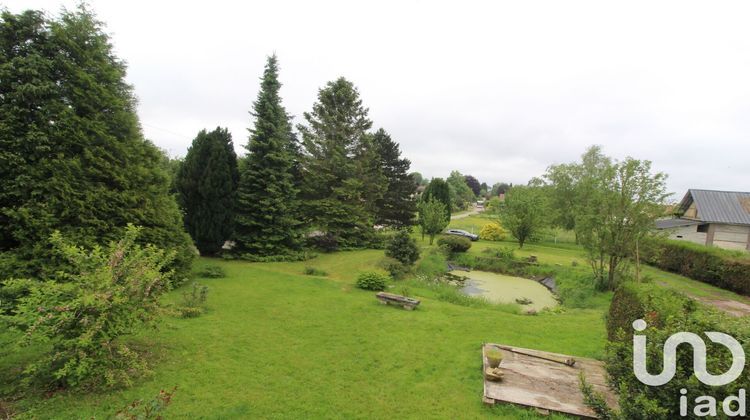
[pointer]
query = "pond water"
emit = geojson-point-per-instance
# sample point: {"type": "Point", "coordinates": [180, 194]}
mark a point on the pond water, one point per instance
{"type": "Point", "coordinates": [506, 289]}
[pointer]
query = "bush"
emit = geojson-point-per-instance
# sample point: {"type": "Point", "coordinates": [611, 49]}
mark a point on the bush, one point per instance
{"type": "Point", "coordinates": [193, 301]}
{"type": "Point", "coordinates": [666, 312]}
{"type": "Point", "coordinates": [212, 272]}
{"type": "Point", "coordinates": [151, 410]}
{"type": "Point", "coordinates": [312, 271]}
{"type": "Point", "coordinates": [108, 293]}
{"type": "Point", "coordinates": [721, 268]}
{"type": "Point", "coordinates": [455, 243]}
{"type": "Point", "coordinates": [395, 268]}
{"type": "Point", "coordinates": [372, 281]}
{"type": "Point", "coordinates": [492, 232]}
{"type": "Point", "coordinates": [403, 248]}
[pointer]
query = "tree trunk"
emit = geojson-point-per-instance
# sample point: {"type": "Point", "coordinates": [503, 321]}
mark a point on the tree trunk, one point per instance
{"type": "Point", "coordinates": [611, 275]}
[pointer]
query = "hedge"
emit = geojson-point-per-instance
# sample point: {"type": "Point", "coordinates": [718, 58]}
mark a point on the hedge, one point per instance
{"type": "Point", "coordinates": [455, 243]}
{"type": "Point", "coordinates": [721, 268]}
{"type": "Point", "coordinates": [666, 312]}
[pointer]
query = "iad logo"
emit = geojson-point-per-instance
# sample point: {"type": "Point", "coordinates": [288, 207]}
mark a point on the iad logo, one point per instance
{"type": "Point", "coordinates": [699, 357]}
{"type": "Point", "coordinates": [705, 405]}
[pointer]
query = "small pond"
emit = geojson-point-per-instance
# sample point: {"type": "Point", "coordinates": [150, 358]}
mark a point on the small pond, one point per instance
{"type": "Point", "coordinates": [506, 289]}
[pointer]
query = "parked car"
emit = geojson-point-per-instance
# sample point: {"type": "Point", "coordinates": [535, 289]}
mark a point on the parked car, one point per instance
{"type": "Point", "coordinates": [459, 232]}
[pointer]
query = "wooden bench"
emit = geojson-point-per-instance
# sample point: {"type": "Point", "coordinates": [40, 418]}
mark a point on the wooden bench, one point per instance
{"type": "Point", "coordinates": [405, 302]}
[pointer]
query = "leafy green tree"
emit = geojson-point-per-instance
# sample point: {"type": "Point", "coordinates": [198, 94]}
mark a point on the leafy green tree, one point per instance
{"type": "Point", "coordinates": [109, 293]}
{"type": "Point", "coordinates": [440, 191]}
{"type": "Point", "coordinates": [267, 219]}
{"type": "Point", "coordinates": [473, 184]}
{"type": "Point", "coordinates": [564, 195]}
{"type": "Point", "coordinates": [461, 195]}
{"type": "Point", "coordinates": [500, 188]}
{"type": "Point", "coordinates": [334, 142]}
{"type": "Point", "coordinates": [207, 184]}
{"type": "Point", "coordinates": [524, 213]}
{"type": "Point", "coordinates": [620, 202]}
{"type": "Point", "coordinates": [432, 217]}
{"type": "Point", "coordinates": [397, 206]}
{"type": "Point", "coordinates": [418, 178]}
{"type": "Point", "coordinates": [484, 189]}
{"type": "Point", "coordinates": [73, 157]}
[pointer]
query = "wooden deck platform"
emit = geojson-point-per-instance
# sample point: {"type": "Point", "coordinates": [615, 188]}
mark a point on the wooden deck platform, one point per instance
{"type": "Point", "coordinates": [531, 380]}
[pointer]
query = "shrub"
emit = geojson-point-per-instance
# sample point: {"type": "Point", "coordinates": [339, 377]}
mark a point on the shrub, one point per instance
{"type": "Point", "coordinates": [193, 301]}
{"type": "Point", "coordinates": [152, 410]}
{"type": "Point", "coordinates": [403, 248]}
{"type": "Point", "coordinates": [108, 293]}
{"type": "Point", "coordinates": [492, 232]}
{"type": "Point", "coordinates": [212, 272]}
{"type": "Point", "coordinates": [395, 268]}
{"type": "Point", "coordinates": [721, 268]}
{"type": "Point", "coordinates": [666, 312]}
{"type": "Point", "coordinates": [189, 312]}
{"type": "Point", "coordinates": [312, 271]}
{"type": "Point", "coordinates": [372, 281]}
{"type": "Point", "coordinates": [455, 243]}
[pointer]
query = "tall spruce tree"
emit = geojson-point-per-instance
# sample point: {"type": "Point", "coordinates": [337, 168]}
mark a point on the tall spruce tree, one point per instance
{"type": "Point", "coordinates": [72, 155]}
{"type": "Point", "coordinates": [207, 184]}
{"type": "Point", "coordinates": [335, 147]}
{"type": "Point", "coordinates": [397, 206]}
{"type": "Point", "coordinates": [267, 222]}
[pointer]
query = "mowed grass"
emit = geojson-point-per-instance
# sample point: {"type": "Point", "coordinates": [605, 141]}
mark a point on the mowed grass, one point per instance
{"type": "Point", "coordinates": [565, 252]}
{"type": "Point", "coordinates": [279, 344]}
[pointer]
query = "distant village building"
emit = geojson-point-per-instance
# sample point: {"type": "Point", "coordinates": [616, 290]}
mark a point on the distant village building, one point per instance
{"type": "Point", "coordinates": [711, 218]}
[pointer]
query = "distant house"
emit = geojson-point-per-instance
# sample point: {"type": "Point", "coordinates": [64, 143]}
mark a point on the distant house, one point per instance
{"type": "Point", "coordinates": [712, 218]}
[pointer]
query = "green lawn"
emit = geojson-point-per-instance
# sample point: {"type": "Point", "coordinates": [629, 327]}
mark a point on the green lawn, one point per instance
{"type": "Point", "coordinates": [279, 344]}
{"type": "Point", "coordinates": [276, 343]}
{"type": "Point", "coordinates": [564, 252]}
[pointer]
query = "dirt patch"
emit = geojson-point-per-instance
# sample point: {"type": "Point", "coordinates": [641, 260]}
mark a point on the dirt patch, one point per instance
{"type": "Point", "coordinates": [731, 307]}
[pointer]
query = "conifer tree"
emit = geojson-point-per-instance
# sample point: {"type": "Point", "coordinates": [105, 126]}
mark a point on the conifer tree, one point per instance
{"type": "Point", "coordinates": [207, 184]}
{"type": "Point", "coordinates": [440, 191]}
{"type": "Point", "coordinates": [397, 206]}
{"type": "Point", "coordinates": [72, 155]}
{"type": "Point", "coordinates": [335, 150]}
{"type": "Point", "coordinates": [267, 222]}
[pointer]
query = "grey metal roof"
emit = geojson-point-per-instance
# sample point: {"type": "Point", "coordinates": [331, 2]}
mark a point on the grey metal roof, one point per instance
{"type": "Point", "coordinates": [719, 206]}
{"type": "Point", "coordinates": [673, 223]}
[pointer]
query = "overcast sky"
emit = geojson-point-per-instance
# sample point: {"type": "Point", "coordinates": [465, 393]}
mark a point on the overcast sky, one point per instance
{"type": "Point", "coordinates": [499, 90]}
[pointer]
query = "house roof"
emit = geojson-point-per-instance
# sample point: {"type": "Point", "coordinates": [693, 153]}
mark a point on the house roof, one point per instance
{"type": "Point", "coordinates": [673, 223]}
{"type": "Point", "coordinates": [730, 207]}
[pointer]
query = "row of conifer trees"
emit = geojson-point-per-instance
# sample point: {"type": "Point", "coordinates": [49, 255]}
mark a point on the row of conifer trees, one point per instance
{"type": "Point", "coordinates": [332, 183]}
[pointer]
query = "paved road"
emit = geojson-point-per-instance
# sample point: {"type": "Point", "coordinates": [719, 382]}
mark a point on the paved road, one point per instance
{"type": "Point", "coordinates": [471, 212]}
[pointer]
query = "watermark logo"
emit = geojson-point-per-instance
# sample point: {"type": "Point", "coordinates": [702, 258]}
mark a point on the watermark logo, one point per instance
{"type": "Point", "coordinates": [699, 357]}
{"type": "Point", "coordinates": [704, 405]}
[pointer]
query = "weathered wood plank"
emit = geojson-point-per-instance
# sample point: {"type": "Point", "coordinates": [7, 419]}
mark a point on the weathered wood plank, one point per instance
{"type": "Point", "coordinates": [538, 379]}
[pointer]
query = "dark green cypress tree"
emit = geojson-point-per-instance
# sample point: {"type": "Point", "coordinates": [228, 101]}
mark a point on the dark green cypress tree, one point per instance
{"type": "Point", "coordinates": [440, 191]}
{"type": "Point", "coordinates": [207, 184]}
{"type": "Point", "coordinates": [397, 206]}
{"type": "Point", "coordinates": [267, 221]}
{"type": "Point", "coordinates": [333, 166]}
{"type": "Point", "coordinates": [72, 155]}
